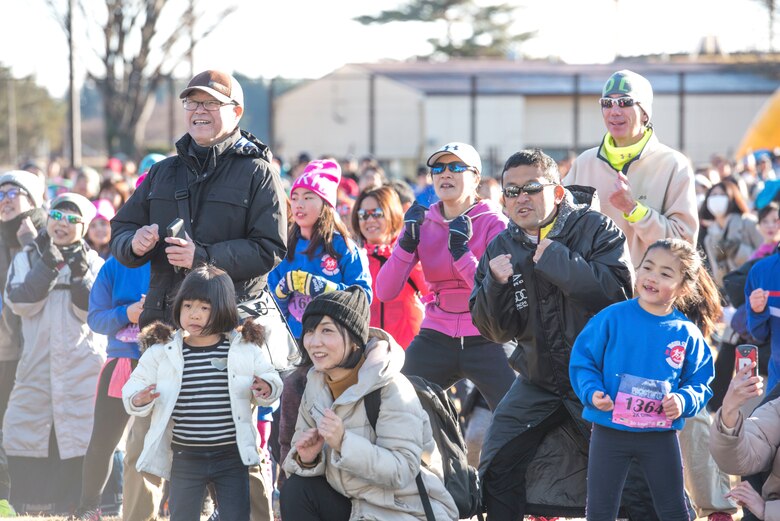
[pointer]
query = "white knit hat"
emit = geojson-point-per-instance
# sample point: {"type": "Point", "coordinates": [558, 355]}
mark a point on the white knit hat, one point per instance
{"type": "Point", "coordinates": [29, 182]}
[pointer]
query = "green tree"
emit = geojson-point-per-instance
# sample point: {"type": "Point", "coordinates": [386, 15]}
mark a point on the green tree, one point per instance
{"type": "Point", "coordinates": [138, 48]}
{"type": "Point", "coordinates": [490, 26]}
{"type": "Point", "coordinates": [36, 119]}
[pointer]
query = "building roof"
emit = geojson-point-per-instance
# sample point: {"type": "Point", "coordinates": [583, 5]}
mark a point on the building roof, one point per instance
{"type": "Point", "coordinates": [504, 77]}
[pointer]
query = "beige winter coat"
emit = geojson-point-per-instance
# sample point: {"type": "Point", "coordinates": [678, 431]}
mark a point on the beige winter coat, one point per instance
{"type": "Point", "coordinates": [743, 229]}
{"type": "Point", "coordinates": [58, 371]}
{"type": "Point", "coordinates": [660, 178]}
{"type": "Point", "coordinates": [376, 470]}
{"type": "Point", "coordinates": [752, 449]}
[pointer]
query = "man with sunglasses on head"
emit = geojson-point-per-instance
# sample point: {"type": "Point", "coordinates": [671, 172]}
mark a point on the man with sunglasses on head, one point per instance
{"type": "Point", "coordinates": [557, 264]}
{"type": "Point", "coordinates": [222, 185]}
{"type": "Point", "coordinates": [649, 190]}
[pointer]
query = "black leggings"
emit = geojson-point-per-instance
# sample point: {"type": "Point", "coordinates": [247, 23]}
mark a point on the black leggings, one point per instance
{"type": "Point", "coordinates": [109, 424]}
{"type": "Point", "coordinates": [658, 454]}
{"type": "Point", "coordinates": [313, 499]}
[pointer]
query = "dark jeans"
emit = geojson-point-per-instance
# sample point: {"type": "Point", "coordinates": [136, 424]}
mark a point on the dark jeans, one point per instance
{"type": "Point", "coordinates": [194, 468]}
{"type": "Point", "coordinates": [313, 499]}
{"type": "Point", "coordinates": [658, 454]}
{"type": "Point", "coordinates": [445, 360]}
{"type": "Point", "coordinates": [110, 422]}
{"type": "Point", "coordinates": [503, 486]}
{"type": "Point", "coordinates": [7, 379]}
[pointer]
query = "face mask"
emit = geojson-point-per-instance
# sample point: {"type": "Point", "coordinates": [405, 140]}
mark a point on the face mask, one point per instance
{"type": "Point", "coordinates": [717, 205]}
{"type": "Point", "coordinates": [700, 200]}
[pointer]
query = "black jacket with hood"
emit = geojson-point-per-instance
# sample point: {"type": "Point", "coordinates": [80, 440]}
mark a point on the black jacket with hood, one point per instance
{"type": "Point", "coordinates": [238, 217]}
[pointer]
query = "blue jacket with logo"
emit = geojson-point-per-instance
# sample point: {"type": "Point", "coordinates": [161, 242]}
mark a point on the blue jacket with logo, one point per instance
{"type": "Point", "coordinates": [765, 274]}
{"type": "Point", "coordinates": [624, 339]}
{"type": "Point", "coordinates": [351, 268]}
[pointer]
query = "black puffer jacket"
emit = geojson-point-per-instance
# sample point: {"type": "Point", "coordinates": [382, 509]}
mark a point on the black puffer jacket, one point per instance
{"type": "Point", "coordinates": [238, 211]}
{"type": "Point", "coordinates": [544, 307]}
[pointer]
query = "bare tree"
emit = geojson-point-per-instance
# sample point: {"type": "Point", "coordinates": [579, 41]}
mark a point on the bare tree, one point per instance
{"type": "Point", "coordinates": [137, 47]}
{"type": "Point", "coordinates": [771, 8]}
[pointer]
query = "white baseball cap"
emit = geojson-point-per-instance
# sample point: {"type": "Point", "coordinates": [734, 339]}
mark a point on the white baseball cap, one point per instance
{"type": "Point", "coordinates": [462, 151]}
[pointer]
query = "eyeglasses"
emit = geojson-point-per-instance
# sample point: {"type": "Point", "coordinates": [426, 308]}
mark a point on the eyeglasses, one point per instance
{"type": "Point", "coordinates": [625, 101]}
{"type": "Point", "coordinates": [365, 215]}
{"type": "Point", "coordinates": [11, 194]}
{"type": "Point", "coordinates": [211, 105]}
{"type": "Point", "coordinates": [455, 168]}
{"type": "Point", "coordinates": [71, 218]}
{"type": "Point", "coordinates": [534, 187]}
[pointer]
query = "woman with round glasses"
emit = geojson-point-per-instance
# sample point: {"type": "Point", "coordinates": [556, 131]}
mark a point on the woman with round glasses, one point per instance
{"type": "Point", "coordinates": [448, 240]}
{"type": "Point", "coordinates": [377, 220]}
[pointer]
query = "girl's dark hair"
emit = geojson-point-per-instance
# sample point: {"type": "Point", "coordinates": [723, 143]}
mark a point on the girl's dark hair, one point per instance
{"type": "Point", "coordinates": [311, 322]}
{"type": "Point", "coordinates": [387, 199]}
{"type": "Point", "coordinates": [209, 284]}
{"type": "Point", "coordinates": [322, 234]}
{"type": "Point", "coordinates": [736, 201]}
{"type": "Point", "coordinates": [771, 208]}
{"type": "Point", "coordinates": [701, 303]}
{"type": "Point", "coordinates": [119, 186]}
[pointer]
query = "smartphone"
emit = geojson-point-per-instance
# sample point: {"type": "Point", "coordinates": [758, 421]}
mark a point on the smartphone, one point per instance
{"type": "Point", "coordinates": [176, 228]}
{"type": "Point", "coordinates": [746, 355]}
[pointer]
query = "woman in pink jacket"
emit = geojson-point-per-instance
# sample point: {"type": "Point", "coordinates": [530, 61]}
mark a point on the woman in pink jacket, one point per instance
{"type": "Point", "coordinates": [448, 240]}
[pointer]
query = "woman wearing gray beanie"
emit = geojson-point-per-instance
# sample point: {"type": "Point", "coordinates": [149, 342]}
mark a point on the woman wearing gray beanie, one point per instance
{"type": "Point", "coordinates": [340, 467]}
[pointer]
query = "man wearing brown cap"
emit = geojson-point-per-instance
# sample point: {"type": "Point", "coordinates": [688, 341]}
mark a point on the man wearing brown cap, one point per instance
{"type": "Point", "coordinates": [222, 185]}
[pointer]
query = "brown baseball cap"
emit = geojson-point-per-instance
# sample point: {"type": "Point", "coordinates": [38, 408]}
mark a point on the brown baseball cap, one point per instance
{"type": "Point", "coordinates": [221, 85]}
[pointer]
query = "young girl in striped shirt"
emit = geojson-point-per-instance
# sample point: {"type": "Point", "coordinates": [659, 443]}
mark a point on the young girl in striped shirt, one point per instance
{"type": "Point", "coordinates": [201, 382]}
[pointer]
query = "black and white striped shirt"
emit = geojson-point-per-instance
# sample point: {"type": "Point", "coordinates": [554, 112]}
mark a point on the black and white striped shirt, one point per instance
{"type": "Point", "coordinates": [202, 413]}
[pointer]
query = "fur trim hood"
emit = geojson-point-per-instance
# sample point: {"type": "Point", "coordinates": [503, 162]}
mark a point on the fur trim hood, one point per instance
{"type": "Point", "coordinates": [160, 333]}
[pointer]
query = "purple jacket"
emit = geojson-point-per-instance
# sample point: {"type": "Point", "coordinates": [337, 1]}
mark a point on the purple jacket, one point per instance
{"type": "Point", "coordinates": [450, 281]}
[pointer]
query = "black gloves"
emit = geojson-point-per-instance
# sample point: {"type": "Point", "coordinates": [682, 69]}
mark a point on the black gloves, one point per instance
{"type": "Point", "coordinates": [413, 219]}
{"type": "Point", "coordinates": [77, 262]}
{"type": "Point", "coordinates": [50, 254]}
{"type": "Point", "coordinates": [460, 233]}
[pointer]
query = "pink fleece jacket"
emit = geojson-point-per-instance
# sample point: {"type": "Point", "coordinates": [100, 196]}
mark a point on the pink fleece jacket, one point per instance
{"type": "Point", "coordinates": [450, 281]}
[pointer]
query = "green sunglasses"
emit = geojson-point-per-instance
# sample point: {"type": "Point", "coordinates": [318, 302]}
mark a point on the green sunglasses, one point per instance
{"type": "Point", "coordinates": [71, 218]}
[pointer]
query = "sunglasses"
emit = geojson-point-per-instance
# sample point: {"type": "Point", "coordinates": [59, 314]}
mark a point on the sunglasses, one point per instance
{"type": "Point", "coordinates": [625, 101]}
{"type": "Point", "coordinates": [11, 194]}
{"type": "Point", "coordinates": [534, 187]}
{"type": "Point", "coordinates": [455, 168]}
{"type": "Point", "coordinates": [71, 218]}
{"type": "Point", "coordinates": [376, 213]}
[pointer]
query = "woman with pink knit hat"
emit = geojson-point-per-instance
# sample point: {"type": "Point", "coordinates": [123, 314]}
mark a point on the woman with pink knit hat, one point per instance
{"type": "Point", "coordinates": [99, 231]}
{"type": "Point", "coordinates": [321, 257]}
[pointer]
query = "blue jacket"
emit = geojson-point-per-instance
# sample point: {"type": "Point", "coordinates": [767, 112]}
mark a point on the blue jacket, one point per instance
{"type": "Point", "coordinates": [765, 274]}
{"type": "Point", "coordinates": [115, 288]}
{"type": "Point", "coordinates": [351, 268]}
{"type": "Point", "coordinates": [624, 339]}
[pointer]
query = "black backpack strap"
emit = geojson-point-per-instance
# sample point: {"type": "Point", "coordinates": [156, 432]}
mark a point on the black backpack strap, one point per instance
{"type": "Point", "coordinates": [182, 196]}
{"type": "Point", "coordinates": [424, 497]}
{"type": "Point", "coordinates": [371, 402]}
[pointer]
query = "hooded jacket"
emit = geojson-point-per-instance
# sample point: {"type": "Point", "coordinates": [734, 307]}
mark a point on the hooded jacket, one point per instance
{"type": "Point", "coordinates": [450, 281]}
{"type": "Point", "coordinates": [660, 178]}
{"type": "Point", "coordinates": [58, 371]}
{"type": "Point", "coordinates": [376, 470]}
{"type": "Point", "coordinates": [163, 364]}
{"type": "Point", "coordinates": [239, 219]}
{"type": "Point", "coordinates": [543, 307]}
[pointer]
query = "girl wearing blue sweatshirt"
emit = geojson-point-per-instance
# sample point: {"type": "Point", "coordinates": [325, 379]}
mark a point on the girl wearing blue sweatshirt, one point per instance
{"type": "Point", "coordinates": [320, 255]}
{"type": "Point", "coordinates": [640, 367]}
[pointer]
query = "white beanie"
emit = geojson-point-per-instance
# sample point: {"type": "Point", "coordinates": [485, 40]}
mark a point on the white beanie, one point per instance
{"type": "Point", "coordinates": [29, 182]}
{"type": "Point", "coordinates": [85, 206]}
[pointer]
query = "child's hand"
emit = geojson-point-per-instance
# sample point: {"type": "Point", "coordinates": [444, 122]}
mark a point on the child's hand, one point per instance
{"type": "Point", "coordinates": [672, 404]}
{"type": "Point", "coordinates": [332, 429]}
{"type": "Point", "coordinates": [261, 388]}
{"type": "Point", "coordinates": [309, 445]}
{"type": "Point", "coordinates": [758, 300]}
{"type": "Point", "coordinates": [284, 288]}
{"type": "Point", "coordinates": [145, 396]}
{"type": "Point", "coordinates": [746, 496]}
{"type": "Point", "coordinates": [602, 402]}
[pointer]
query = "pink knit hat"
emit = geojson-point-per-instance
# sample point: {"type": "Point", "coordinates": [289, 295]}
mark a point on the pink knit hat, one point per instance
{"type": "Point", "coordinates": [321, 177]}
{"type": "Point", "coordinates": [105, 210]}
